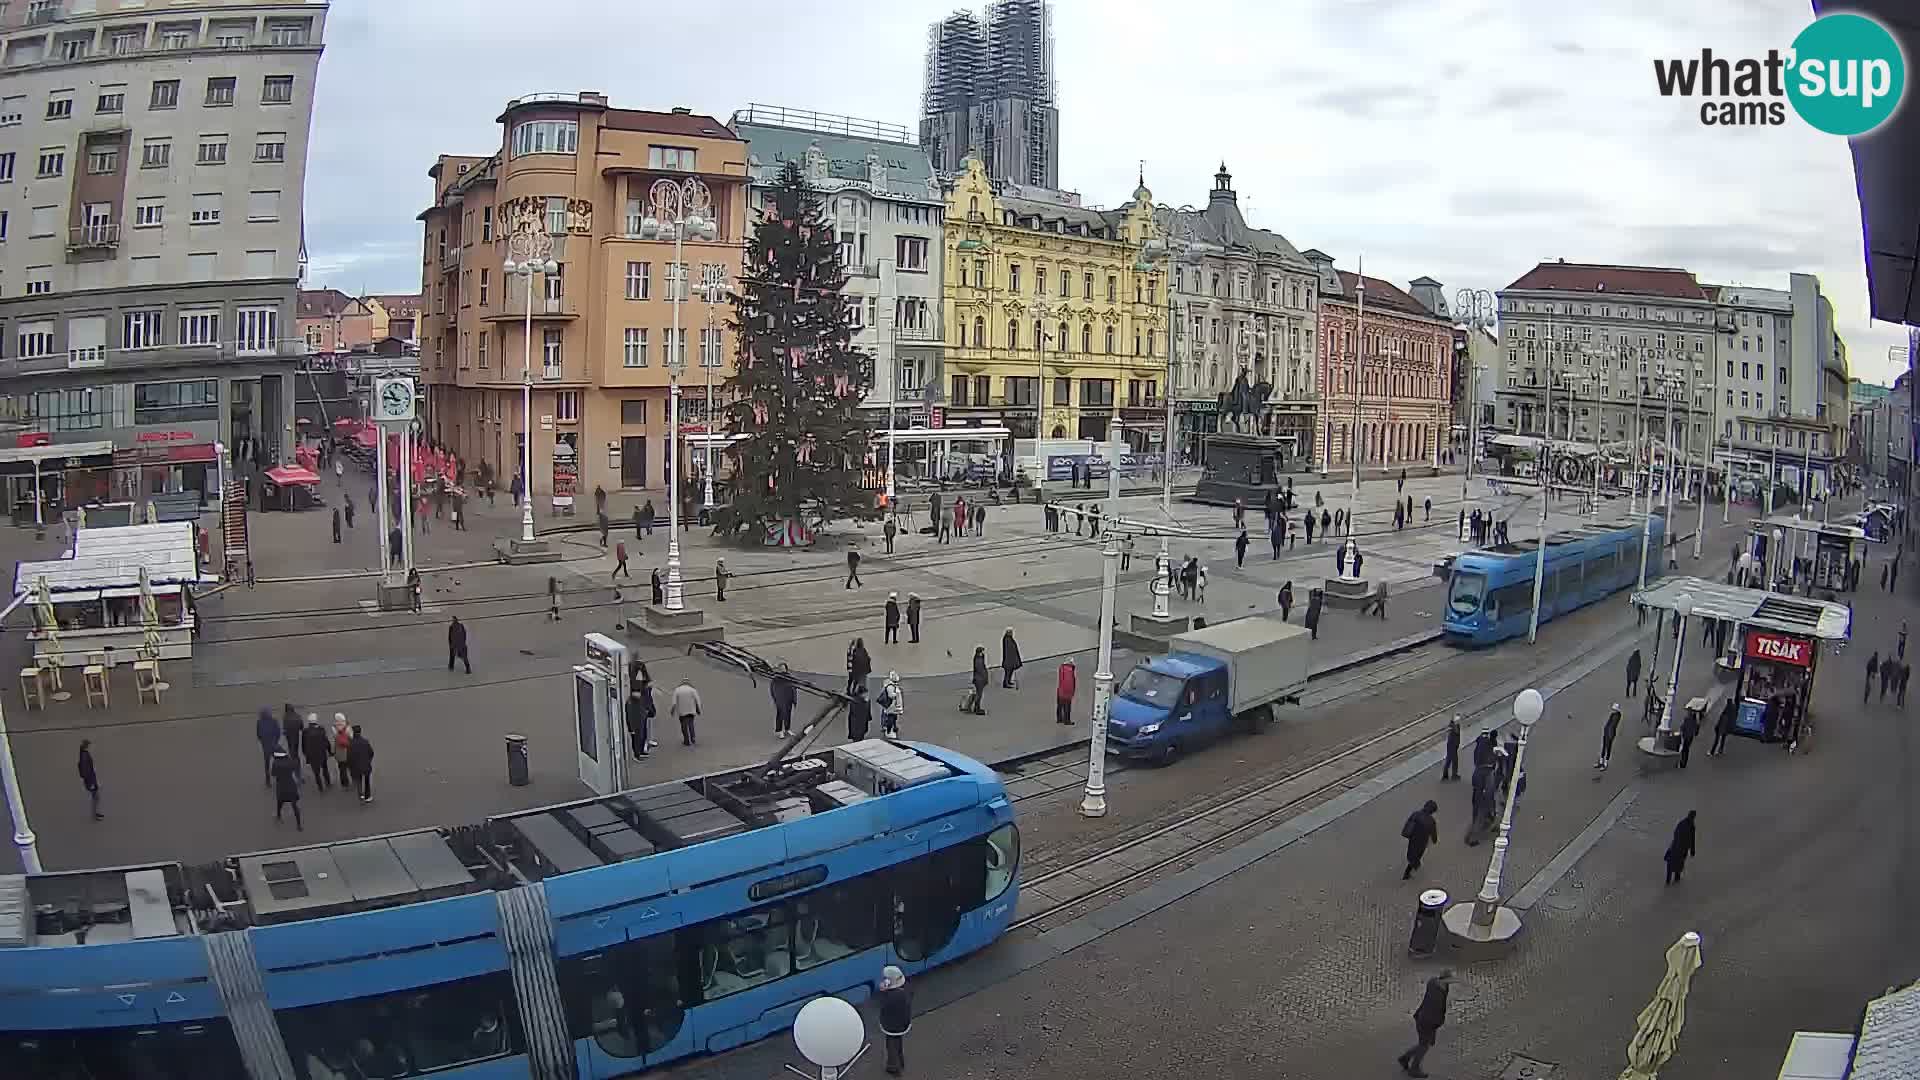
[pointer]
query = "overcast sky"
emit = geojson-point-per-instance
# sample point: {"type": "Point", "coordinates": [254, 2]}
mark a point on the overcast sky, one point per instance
{"type": "Point", "coordinates": [1460, 139]}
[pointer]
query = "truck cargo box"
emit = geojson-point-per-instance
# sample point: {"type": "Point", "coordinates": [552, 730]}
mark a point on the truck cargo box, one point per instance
{"type": "Point", "coordinates": [1266, 659]}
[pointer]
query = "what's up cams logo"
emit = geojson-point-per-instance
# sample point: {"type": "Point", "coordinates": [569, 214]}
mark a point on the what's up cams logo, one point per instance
{"type": "Point", "coordinates": [1844, 75]}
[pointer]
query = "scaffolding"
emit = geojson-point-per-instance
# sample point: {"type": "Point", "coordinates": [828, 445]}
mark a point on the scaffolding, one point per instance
{"type": "Point", "coordinates": [989, 90]}
{"type": "Point", "coordinates": [956, 65]}
{"type": "Point", "coordinates": [1020, 73]}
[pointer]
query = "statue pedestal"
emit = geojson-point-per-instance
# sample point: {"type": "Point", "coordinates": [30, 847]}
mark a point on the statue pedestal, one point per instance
{"type": "Point", "coordinates": [1347, 592]}
{"type": "Point", "coordinates": [1243, 467]}
{"type": "Point", "coordinates": [1145, 634]}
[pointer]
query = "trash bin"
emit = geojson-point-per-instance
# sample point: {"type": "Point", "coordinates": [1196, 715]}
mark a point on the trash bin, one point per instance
{"type": "Point", "coordinates": [517, 761]}
{"type": "Point", "coordinates": [1426, 923]}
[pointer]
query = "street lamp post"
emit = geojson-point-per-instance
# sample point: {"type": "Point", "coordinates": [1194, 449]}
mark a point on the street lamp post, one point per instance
{"type": "Point", "coordinates": [535, 248]}
{"type": "Point", "coordinates": [680, 207]}
{"type": "Point", "coordinates": [1095, 802]}
{"type": "Point", "coordinates": [1546, 485]}
{"type": "Point", "coordinates": [1359, 347]}
{"type": "Point", "coordinates": [1682, 609]}
{"type": "Point", "coordinates": [1176, 238]}
{"type": "Point", "coordinates": [1487, 923]}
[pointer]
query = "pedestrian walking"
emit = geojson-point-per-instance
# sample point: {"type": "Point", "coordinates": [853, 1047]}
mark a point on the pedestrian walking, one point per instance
{"type": "Point", "coordinates": [290, 738]}
{"type": "Point", "coordinates": [1064, 686]}
{"type": "Point", "coordinates": [1633, 672]}
{"type": "Point", "coordinates": [1682, 847]}
{"type": "Point", "coordinates": [1276, 539]}
{"type": "Point", "coordinates": [1886, 678]}
{"type": "Point", "coordinates": [1901, 651]}
{"type": "Point", "coordinates": [1311, 620]}
{"type": "Point", "coordinates": [414, 589]}
{"type": "Point", "coordinates": [1723, 727]}
{"type": "Point", "coordinates": [340, 740]}
{"type": "Point", "coordinates": [553, 598]}
{"type": "Point", "coordinates": [1240, 549]}
{"type": "Point", "coordinates": [975, 701]}
{"type": "Point", "coordinates": [896, 1016]}
{"type": "Point", "coordinates": [639, 525]}
{"type": "Point", "coordinates": [892, 617]}
{"type": "Point", "coordinates": [620, 560]}
{"type": "Point", "coordinates": [1427, 1020]}
{"type": "Point", "coordinates": [859, 714]}
{"type": "Point", "coordinates": [1200, 580]}
{"type": "Point", "coordinates": [1607, 732]}
{"type": "Point", "coordinates": [853, 568]}
{"type": "Point", "coordinates": [1420, 830]}
{"type": "Point", "coordinates": [893, 705]}
{"type": "Point", "coordinates": [457, 644]}
{"type": "Point", "coordinates": [889, 531]}
{"type": "Point", "coordinates": [913, 618]}
{"type": "Point", "coordinates": [1481, 801]}
{"type": "Point", "coordinates": [720, 576]}
{"type": "Point", "coordinates": [785, 694]}
{"type": "Point", "coordinates": [1126, 552]}
{"type": "Point", "coordinates": [360, 763]}
{"type": "Point", "coordinates": [346, 509]}
{"type": "Point", "coordinates": [89, 778]}
{"type": "Point", "coordinates": [605, 526]}
{"type": "Point", "coordinates": [659, 593]}
{"type": "Point", "coordinates": [1009, 661]}
{"type": "Point", "coordinates": [859, 664]}
{"type": "Point", "coordinates": [1286, 599]}
{"type": "Point", "coordinates": [266, 730]}
{"type": "Point", "coordinates": [1450, 769]}
{"type": "Point", "coordinates": [686, 709]}
{"type": "Point", "coordinates": [643, 679]}
{"type": "Point", "coordinates": [1403, 481]}
{"type": "Point", "coordinates": [336, 524]}
{"type": "Point", "coordinates": [316, 751]}
{"type": "Point", "coordinates": [1308, 518]}
{"type": "Point", "coordinates": [1429, 510]}
{"type": "Point", "coordinates": [636, 710]}
{"type": "Point", "coordinates": [1689, 730]}
{"type": "Point", "coordinates": [286, 788]}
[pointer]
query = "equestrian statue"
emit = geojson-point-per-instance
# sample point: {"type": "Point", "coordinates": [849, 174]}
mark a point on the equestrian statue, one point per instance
{"type": "Point", "coordinates": [1241, 406]}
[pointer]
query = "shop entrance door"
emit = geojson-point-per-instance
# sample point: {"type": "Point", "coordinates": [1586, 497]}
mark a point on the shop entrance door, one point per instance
{"type": "Point", "coordinates": [633, 461]}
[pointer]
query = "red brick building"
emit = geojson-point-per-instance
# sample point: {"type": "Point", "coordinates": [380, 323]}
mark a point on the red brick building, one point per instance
{"type": "Point", "coordinates": [1405, 400]}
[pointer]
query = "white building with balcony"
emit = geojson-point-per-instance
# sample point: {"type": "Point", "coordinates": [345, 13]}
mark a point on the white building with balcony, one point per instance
{"type": "Point", "coordinates": [152, 172]}
{"type": "Point", "coordinates": [1783, 382]}
{"type": "Point", "coordinates": [879, 192]}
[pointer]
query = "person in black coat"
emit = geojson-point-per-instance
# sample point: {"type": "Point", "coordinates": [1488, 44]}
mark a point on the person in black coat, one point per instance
{"type": "Point", "coordinates": [457, 644]}
{"type": "Point", "coordinates": [1420, 830]}
{"type": "Point", "coordinates": [976, 701]}
{"type": "Point", "coordinates": [1427, 1020]}
{"type": "Point", "coordinates": [784, 696]}
{"type": "Point", "coordinates": [1482, 784]}
{"type": "Point", "coordinates": [266, 731]}
{"type": "Point", "coordinates": [913, 618]}
{"type": "Point", "coordinates": [90, 779]}
{"type": "Point", "coordinates": [1311, 620]}
{"type": "Point", "coordinates": [896, 1016]}
{"type": "Point", "coordinates": [360, 763]}
{"type": "Point", "coordinates": [286, 788]}
{"type": "Point", "coordinates": [1682, 847]}
{"type": "Point", "coordinates": [290, 728]}
{"type": "Point", "coordinates": [859, 714]}
{"type": "Point", "coordinates": [892, 618]}
{"type": "Point", "coordinates": [859, 664]}
{"type": "Point", "coordinates": [1286, 600]}
{"type": "Point", "coordinates": [1450, 768]}
{"type": "Point", "coordinates": [636, 720]}
{"type": "Point", "coordinates": [1009, 659]}
{"type": "Point", "coordinates": [1633, 672]}
{"type": "Point", "coordinates": [1723, 727]}
{"type": "Point", "coordinates": [659, 590]}
{"type": "Point", "coordinates": [313, 747]}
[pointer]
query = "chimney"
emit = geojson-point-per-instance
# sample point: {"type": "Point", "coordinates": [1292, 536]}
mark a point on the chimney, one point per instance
{"type": "Point", "coordinates": [682, 110]}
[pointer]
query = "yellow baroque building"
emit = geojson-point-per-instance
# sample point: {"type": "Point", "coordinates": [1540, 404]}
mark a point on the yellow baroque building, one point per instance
{"type": "Point", "coordinates": [1054, 313]}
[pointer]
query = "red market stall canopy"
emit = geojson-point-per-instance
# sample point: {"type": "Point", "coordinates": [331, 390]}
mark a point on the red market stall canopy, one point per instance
{"type": "Point", "coordinates": [288, 475]}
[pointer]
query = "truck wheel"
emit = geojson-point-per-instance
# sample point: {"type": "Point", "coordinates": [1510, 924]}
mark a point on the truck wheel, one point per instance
{"type": "Point", "coordinates": [1256, 720]}
{"type": "Point", "coordinates": [1171, 753]}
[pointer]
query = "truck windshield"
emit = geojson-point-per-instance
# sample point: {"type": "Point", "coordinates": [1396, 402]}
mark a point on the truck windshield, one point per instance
{"type": "Point", "coordinates": [1464, 597]}
{"type": "Point", "coordinates": [1151, 687]}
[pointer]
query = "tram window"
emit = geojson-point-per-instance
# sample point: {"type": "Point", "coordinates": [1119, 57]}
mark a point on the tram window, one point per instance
{"type": "Point", "coordinates": [406, 1033]}
{"type": "Point", "coordinates": [1003, 860]}
{"type": "Point", "coordinates": [1508, 599]}
{"type": "Point", "coordinates": [196, 1050]}
{"type": "Point", "coordinates": [744, 951]}
{"type": "Point", "coordinates": [1463, 596]}
{"type": "Point", "coordinates": [932, 893]}
{"type": "Point", "coordinates": [626, 998]}
{"type": "Point", "coordinates": [838, 921]}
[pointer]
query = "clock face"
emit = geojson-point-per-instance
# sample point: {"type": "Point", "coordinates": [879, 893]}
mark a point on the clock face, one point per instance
{"type": "Point", "coordinates": [396, 399]}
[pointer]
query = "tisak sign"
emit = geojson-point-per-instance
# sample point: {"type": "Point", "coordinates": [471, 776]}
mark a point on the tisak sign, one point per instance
{"type": "Point", "coordinates": [1762, 645]}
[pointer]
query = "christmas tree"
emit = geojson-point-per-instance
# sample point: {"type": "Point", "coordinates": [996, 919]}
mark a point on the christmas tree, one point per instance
{"type": "Point", "coordinates": [799, 382]}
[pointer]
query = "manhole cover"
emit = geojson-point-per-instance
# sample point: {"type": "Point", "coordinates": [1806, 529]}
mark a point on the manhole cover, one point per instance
{"type": "Point", "coordinates": [1520, 1067]}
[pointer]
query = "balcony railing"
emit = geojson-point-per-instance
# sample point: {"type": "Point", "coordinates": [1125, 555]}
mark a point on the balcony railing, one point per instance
{"type": "Point", "coordinates": [97, 236]}
{"type": "Point", "coordinates": [915, 333]}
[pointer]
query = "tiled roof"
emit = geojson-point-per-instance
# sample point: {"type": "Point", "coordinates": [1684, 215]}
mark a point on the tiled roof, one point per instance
{"type": "Point", "coordinates": [1620, 280]}
{"type": "Point", "coordinates": [1050, 212]}
{"type": "Point", "coordinates": [399, 305]}
{"type": "Point", "coordinates": [770, 147]}
{"type": "Point", "coordinates": [668, 123]}
{"type": "Point", "coordinates": [1221, 223]}
{"type": "Point", "coordinates": [1383, 294]}
{"type": "Point", "coordinates": [1889, 1043]}
{"type": "Point", "coordinates": [324, 303]}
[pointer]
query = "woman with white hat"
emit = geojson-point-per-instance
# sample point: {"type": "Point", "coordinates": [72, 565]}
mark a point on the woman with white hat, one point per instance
{"type": "Point", "coordinates": [896, 1016]}
{"type": "Point", "coordinates": [893, 704]}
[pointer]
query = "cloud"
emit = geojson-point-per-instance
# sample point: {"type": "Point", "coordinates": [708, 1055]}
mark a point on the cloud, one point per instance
{"type": "Point", "coordinates": [1465, 143]}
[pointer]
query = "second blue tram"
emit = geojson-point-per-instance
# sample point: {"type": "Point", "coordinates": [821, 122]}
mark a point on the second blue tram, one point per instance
{"type": "Point", "coordinates": [593, 939]}
{"type": "Point", "coordinates": [1490, 590]}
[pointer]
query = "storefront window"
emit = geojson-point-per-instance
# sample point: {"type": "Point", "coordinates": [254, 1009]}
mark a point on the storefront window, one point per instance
{"type": "Point", "coordinates": [406, 1033]}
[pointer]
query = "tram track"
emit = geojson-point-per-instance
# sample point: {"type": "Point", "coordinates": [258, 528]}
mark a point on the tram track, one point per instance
{"type": "Point", "coordinates": [1379, 750]}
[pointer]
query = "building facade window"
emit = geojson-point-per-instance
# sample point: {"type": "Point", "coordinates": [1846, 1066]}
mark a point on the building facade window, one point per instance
{"type": "Point", "coordinates": [546, 137]}
{"type": "Point", "coordinates": [633, 347]}
{"type": "Point", "coordinates": [258, 330]}
{"type": "Point", "coordinates": [639, 280]}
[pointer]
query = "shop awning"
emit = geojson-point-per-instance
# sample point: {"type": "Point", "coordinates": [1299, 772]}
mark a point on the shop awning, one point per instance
{"type": "Point", "coordinates": [1757, 608]}
{"type": "Point", "coordinates": [286, 475]}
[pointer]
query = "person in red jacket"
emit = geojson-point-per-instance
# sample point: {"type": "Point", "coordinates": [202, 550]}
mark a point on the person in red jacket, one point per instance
{"type": "Point", "coordinates": [1063, 694]}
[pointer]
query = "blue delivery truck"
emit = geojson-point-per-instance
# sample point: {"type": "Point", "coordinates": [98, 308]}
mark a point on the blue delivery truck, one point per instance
{"type": "Point", "coordinates": [1226, 677]}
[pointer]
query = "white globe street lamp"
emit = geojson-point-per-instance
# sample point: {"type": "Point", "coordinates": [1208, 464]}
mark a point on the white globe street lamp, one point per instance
{"type": "Point", "coordinates": [1487, 924]}
{"type": "Point", "coordinates": [830, 1034]}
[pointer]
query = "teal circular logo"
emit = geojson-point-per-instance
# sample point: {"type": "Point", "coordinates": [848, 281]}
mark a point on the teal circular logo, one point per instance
{"type": "Point", "coordinates": [1848, 74]}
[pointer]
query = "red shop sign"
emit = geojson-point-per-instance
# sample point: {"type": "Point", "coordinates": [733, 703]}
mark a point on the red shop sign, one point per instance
{"type": "Point", "coordinates": [1762, 645]}
{"type": "Point", "coordinates": [164, 436]}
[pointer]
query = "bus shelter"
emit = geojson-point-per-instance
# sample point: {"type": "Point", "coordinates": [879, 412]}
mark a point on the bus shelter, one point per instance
{"type": "Point", "coordinates": [1810, 554]}
{"type": "Point", "coordinates": [124, 592]}
{"type": "Point", "coordinates": [1770, 645]}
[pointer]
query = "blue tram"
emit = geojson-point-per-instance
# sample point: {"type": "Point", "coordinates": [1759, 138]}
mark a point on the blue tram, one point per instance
{"type": "Point", "coordinates": [592, 939]}
{"type": "Point", "coordinates": [1490, 590]}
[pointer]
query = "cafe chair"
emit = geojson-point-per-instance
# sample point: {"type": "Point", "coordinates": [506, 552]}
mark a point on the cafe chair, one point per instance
{"type": "Point", "coordinates": [95, 677]}
{"type": "Point", "coordinates": [32, 690]}
{"type": "Point", "coordinates": [146, 680]}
